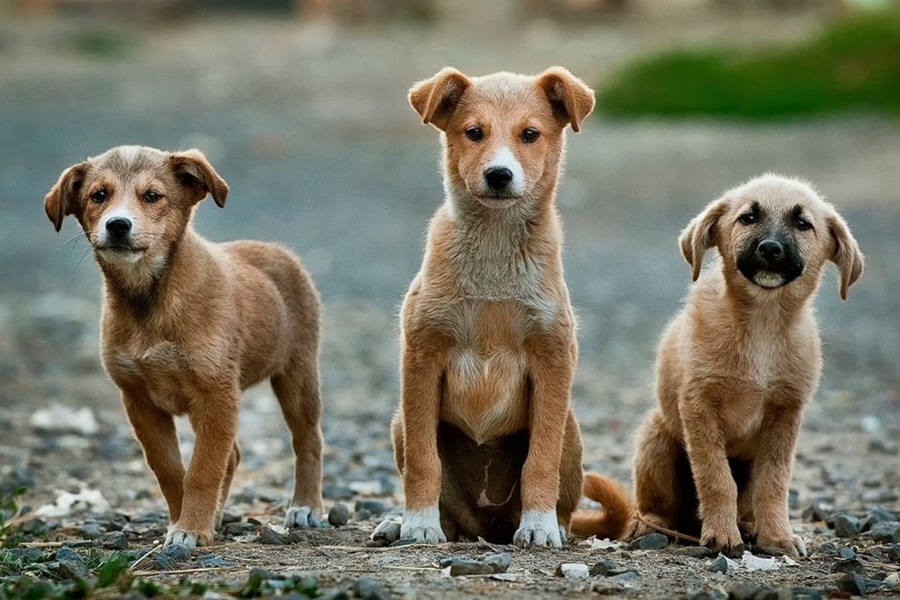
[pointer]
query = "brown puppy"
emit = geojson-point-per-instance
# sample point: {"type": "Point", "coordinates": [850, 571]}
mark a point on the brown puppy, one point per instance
{"type": "Point", "coordinates": [738, 364]}
{"type": "Point", "coordinates": [484, 436]}
{"type": "Point", "coordinates": [188, 325]}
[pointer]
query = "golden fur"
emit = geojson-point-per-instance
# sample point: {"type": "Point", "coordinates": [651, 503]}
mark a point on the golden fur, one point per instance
{"type": "Point", "coordinates": [736, 367]}
{"type": "Point", "coordinates": [484, 430]}
{"type": "Point", "coordinates": [187, 325]}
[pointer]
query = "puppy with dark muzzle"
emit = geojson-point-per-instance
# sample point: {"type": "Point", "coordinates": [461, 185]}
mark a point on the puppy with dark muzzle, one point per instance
{"type": "Point", "coordinates": [188, 325]}
{"type": "Point", "coordinates": [736, 367]}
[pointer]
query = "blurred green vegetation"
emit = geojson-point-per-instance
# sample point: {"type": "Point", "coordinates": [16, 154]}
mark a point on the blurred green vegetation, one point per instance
{"type": "Point", "coordinates": [103, 44]}
{"type": "Point", "coordinates": [853, 64]}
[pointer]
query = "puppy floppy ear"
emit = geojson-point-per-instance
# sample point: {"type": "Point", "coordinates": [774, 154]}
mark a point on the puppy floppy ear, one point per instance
{"type": "Point", "coordinates": [571, 99]}
{"type": "Point", "coordinates": [846, 255]}
{"type": "Point", "coordinates": [62, 199]}
{"type": "Point", "coordinates": [195, 172]}
{"type": "Point", "coordinates": [701, 234]}
{"type": "Point", "coordinates": [436, 98]}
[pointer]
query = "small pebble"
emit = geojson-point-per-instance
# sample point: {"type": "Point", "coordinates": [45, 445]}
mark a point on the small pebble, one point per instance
{"type": "Point", "coordinates": [850, 565]}
{"type": "Point", "coordinates": [115, 540]}
{"type": "Point", "coordinates": [369, 589]}
{"type": "Point", "coordinates": [846, 526]}
{"type": "Point", "coordinates": [846, 552]}
{"type": "Point", "coordinates": [706, 595]}
{"type": "Point", "coordinates": [651, 541]}
{"type": "Point", "coordinates": [463, 566]}
{"type": "Point", "coordinates": [177, 552]}
{"type": "Point", "coordinates": [229, 517]}
{"type": "Point", "coordinates": [499, 561]}
{"type": "Point", "coordinates": [362, 515]}
{"type": "Point", "coordinates": [814, 512]}
{"type": "Point", "coordinates": [719, 565]}
{"type": "Point", "coordinates": [333, 491]}
{"type": "Point", "coordinates": [374, 507]}
{"type": "Point", "coordinates": [573, 571]}
{"type": "Point", "coordinates": [269, 536]}
{"type": "Point", "coordinates": [885, 532]}
{"type": "Point", "coordinates": [605, 568]}
{"type": "Point", "coordinates": [339, 515]}
{"type": "Point", "coordinates": [208, 561]}
{"type": "Point", "coordinates": [626, 577]}
{"type": "Point", "coordinates": [236, 529]}
{"type": "Point", "coordinates": [747, 592]}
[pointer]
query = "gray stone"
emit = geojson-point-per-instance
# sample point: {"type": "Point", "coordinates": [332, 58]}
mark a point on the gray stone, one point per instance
{"type": "Point", "coordinates": [720, 565]}
{"type": "Point", "coordinates": [369, 589]}
{"type": "Point", "coordinates": [374, 507]}
{"type": "Point", "coordinates": [339, 515]}
{"type": "Point", "coordinates": [332, 491]}
{"type": "Point", "coordinates": [651, 541]}
{"type": "Point", "coordinates": [208, 561]}
{"type": "Point", "coordinates": [846, 526]}
{"type": "Point", "coordinates": [66, 553]}
{"type": "Point", "coordinates": [605, 568]}
{"type": "Point", "coordinates": [235, 529]}
{"type": "Point", "coordinates": [177, 552]}
{"type": "Point", "coordinates": [846, 552]}
{"type": "Point", "coordinates": [746, 592]}
{"type": "Point", "coordinates": [850, 565]}
{"type": "Point", "coordinates": [230, 516]}
{"type": "Point", "coordinates": [814, 512]}
{"type": "Point", "coordinates": [271, 537]}
{"type": "Point", "coordinates": [573, 571]}
{"type": "Point", "coordinates": [115, 540]}
{"type": "Point", "coordinates": [696, 594]}
{"type": "Point", "coordinates": [886, 532]}
{"type": "Point", "coordinates": [362, 515]}
{"type": "Point", "coordinates": [500, 561]}
{"type": "Point", "coordinates": [626, 577]}
{"type": "Point", "coordinates": [90, 531]}
{"type": "Point", "coordinates": [492, 564]}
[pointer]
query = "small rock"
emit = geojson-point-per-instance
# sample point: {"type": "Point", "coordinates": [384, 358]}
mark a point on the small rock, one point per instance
{"type": "Point", "coordinates": [814, 512]}
{"type": "Point", "coordinates": [853, 583]}
{"type": "Point", "coordinates": [69, 569]}
{"type": "Point", "coordinates": [362, 515]}
{"type": "Point", "coordinates": [66, 553]}
{"type": "Point", "coordinates": [746, 592]}
{"type": "Point", "coordinates": [333, 491]}
{"type": "Point", "coordinates": [208, 561]}
{"type": "Point", "coordinates": [90, 531]}
{"type": "Point", "coordinates": [626, 577]}
{"type": "Point", "coordinates": [236, 529]}
{"type": "Point", "coordinates": [177, 552]}
{"type": "Point", "coordinates": [651, 541]}
{"type": "Point", "coordinates": [878, 514]}
{"type": "Point", "coordinates": [374, 507]}
{"type": "Point", "coordinates": [500, 561]}
{"type": "Point", "coordinates": [339, 515]}
{"type": "Point", "coordinates": [335, 594]}
{"type": "Point", "coordinates": [164, 562]}
{"type": "Point", "coordinates": [850, 565]}
{"type": "Point", "coordinates": [115, 540]}
{"type": "Point", "coordinates": [448, 560]}
{"type": "Point", "coordinates": [35, 527]}
{"type": "Point", "coordinates": [369, 589]}
{"type": "Point", "coordinates": [573, 571]}
{"type": "Point", "coordinates": [706, 595]}
{"type": "Point", "coordinates": [605, 568]}
{"type": "Point", "coordinates": [720, 565]}
{"type": "Point", "coordinates": [895, 552]}
{"type": "Point", "coordinates": [886, 532]}
{"type": "Point", "coordinates": [229, 517]}
{"type": "Point", "coordinates": [879, 496]}
{"type": "Point", "coordinates": [269, 536]}
{"type": "Point", "coordinates": [846, 552]}
{"type": "Point", "coordinates": [846, 526]}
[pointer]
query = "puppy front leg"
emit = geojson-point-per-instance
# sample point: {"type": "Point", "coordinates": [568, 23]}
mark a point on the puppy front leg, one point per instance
{"type": "Point", "coordinates": [421, 462]}
{"type": "Point", "coordinates": [551, 379]}
{"type": "Point", "coordinates": [716, 488]}
{"type": "Point", "coordinates": [214, 419]}
{"type": "Point", "coordinates": [770, 476]}
{"type": "Point", "coordinates": [155, 430]}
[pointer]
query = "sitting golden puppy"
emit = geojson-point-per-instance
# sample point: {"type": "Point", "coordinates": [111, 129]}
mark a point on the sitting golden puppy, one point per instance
{"type": "Point", "coordinates": [738, 364]}
{"type": "Point", "coordinates": [187, 325]}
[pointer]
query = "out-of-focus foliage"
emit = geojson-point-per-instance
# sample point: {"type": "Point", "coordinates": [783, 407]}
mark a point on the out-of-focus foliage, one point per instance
{"type": "Point", "coordinates": [853, 65]}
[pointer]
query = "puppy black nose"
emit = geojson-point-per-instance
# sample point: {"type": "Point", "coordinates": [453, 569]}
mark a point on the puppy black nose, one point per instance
{"type": "Point", "coordinates": [770, 249]}
{"type": "Point", "coordinates": [118, 226]}
{"type": "Point", "coordinates": [498, 177]}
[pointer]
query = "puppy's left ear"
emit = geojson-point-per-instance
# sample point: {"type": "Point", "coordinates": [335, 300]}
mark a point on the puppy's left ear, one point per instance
{"type": "Point", "coordinates": [195, 172]}
{"type": "Point", "coordinates": [701, 234]}
{"type": "Point", "coordinates": [846, 254]}
{"type": "Point", "coordinates": [62, 199]}
{"type": "Point", "coordinates": [571, 99]}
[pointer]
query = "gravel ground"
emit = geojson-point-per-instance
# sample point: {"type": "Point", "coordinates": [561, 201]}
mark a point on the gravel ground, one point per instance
{"type": "Point", "coordinates": [311, 129]}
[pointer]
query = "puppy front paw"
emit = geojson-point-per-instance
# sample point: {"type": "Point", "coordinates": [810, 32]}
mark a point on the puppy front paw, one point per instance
{"type": "Point", "coordinates": [724, 539]}
{"type": "Point", "coordinates": [539, 529]}
{"type": "Point", "coordinates": [184, 537]}
{"type": "Point", "coordinates": [791, 544]}
{"type": "Point", "coordinates": [301, 517]}
{"type": "Point", "coordinates": [424, 526]}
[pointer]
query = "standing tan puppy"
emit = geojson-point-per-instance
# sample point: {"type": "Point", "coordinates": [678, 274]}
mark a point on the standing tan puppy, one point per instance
{"type": "Point", "coordinates": [738, 364]}
{"type": "Point", "coordinates": [188, 325]}
{"type": "Point", "coordinates": [484, 436]}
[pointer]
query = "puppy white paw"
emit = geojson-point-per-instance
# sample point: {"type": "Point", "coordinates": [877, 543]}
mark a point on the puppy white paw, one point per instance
{"type": "Point", "coordinates": [388, 531]}
{"type": "Point", "coordinates": [424, 526]}
{"type": "Point", "coordinates": [301, 517]}
{"type": "Point", "coordinates": [185, 538]}
{"type": "Point", "coordinates": [539, 529]}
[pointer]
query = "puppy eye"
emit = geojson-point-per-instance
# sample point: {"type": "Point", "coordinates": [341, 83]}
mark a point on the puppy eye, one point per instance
{"type": "Point", "coordinates": [803, 225]}
{"type": "Point", "coordinates": [530, 135]}
{"type": "Point", "coordinates": [747, 218]}
{"type": "Point", "coordinates": [476, 134]}
{"type": "Point", "coordinates": [100, 196]}
{"type": "Point", "coordinates": [152, 196]}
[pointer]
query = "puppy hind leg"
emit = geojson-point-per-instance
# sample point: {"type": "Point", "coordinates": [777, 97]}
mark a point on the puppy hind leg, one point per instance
{"type": "Point", "coordinates": [658, 489]}
{"type": "Point", "coordinates": [297, 390]}
{"type": "Point", "coordinates": [233, 461]}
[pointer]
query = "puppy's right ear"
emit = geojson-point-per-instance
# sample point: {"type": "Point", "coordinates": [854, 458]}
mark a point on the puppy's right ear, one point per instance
{"type": "Point", "coordinates": [700, 234]}
{"type": "Point", "coordinates": [195, 172]}
{"type": "Point", "coordinates": [62, 199]}
{"type": "Point", "coordinates": [436, 98]}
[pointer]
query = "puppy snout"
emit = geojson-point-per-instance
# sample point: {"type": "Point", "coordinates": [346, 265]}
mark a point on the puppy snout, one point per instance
{"type": "Point", "coordinates": [118, 227]}
{"type": "Point", "coordinates": [498, 178]}
{"type": "Point", "coordinates": [770, 249]}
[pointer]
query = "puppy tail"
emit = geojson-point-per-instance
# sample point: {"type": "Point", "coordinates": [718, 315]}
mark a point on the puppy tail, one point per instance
{"type": "Point", "coordinates": [614, 519]}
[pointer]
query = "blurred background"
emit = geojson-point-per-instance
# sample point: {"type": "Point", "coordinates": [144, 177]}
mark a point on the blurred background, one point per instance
{"type": "Point", "coordinates": [302, 107]}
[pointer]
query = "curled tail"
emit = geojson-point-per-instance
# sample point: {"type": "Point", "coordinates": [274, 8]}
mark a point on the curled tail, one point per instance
{"type": "Point", "coordinates": [613, 520]}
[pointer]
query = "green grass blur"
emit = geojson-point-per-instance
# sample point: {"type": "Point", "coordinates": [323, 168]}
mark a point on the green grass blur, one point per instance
{"type": "Point", "coordinates": [853, 64]}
